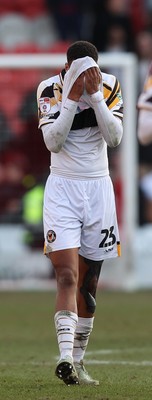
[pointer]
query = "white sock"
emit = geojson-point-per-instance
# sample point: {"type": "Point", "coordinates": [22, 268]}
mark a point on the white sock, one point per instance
{"type": "Point", "coordinates": [65, 324]}
{"type": "Point", "coordinates": [82, 334]}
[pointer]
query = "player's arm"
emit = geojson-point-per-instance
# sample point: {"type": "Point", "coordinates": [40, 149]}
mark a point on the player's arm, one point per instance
{"type": "Point", "coordinates": [109, 124]}
{"type": "Point", "coordinates": [55, 131]}
{"type": "Point", "coordinates": [144, 128]}
{"type": "Point", "coordinates": [144, 105]}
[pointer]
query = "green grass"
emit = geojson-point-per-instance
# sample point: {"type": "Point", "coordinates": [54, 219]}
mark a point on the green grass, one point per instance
{"type": "Point", "coordinates": [119, 352]}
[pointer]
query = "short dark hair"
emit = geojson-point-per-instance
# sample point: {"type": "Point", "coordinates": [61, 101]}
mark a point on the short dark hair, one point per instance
{"type": "Point", "coordinates": [81, 49]}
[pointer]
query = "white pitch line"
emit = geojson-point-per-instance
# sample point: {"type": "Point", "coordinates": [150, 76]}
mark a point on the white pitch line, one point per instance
{"type": "Point", "coordinates": [117, 351]}
{"type": "Point", "coordinates": [143, 363]}
{"type": "Point", "coordinates": [111, 362]}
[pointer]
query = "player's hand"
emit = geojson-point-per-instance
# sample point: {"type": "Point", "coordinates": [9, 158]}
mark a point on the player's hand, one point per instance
{"type": "Point", "coordinates": [77, 88]}
{"type": "Point", "coordinates": [92, 80]}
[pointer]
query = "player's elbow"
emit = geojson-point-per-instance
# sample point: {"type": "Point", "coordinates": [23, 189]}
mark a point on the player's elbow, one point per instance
{"type": "Point", "coordinates": [53, 141]}
{"type": "Point", "coordinates": [115, 138]}
{"type": "Point", "coordinates": [53, 147]}
{"type": "Point", "coordinates": [56, 149]}
{"type": "Point", "coordinates": [115, 142]}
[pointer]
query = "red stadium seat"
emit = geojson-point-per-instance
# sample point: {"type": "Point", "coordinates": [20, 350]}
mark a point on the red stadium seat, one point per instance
{"type": "Point", "coordinates": [30, 8]}
{"type": "Point", "coordinates": [27, 48]}
{"type": "Point", "coordinates": [59, 46]}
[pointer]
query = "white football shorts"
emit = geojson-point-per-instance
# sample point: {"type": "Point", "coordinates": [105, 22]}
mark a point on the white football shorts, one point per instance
{"type": "Point", "coordinates": [81, 214]}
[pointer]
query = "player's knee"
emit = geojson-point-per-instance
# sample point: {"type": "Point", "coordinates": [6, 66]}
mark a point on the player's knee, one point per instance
{"type": "Point", "coordinates": [66, 277]}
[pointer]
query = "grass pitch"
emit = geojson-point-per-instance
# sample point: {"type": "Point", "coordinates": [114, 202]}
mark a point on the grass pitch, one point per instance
{"type": "Point", "coordinates": [119, 353]}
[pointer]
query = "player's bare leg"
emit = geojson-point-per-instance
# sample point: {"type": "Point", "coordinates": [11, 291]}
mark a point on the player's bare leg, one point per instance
{"type": "Point", "coordinates": [89, 272]}
{"type": "Point", "coordinates": [65, 264]}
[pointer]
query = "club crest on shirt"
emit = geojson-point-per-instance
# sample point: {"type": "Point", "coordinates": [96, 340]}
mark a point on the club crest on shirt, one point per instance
{"type": "Point", "coordinates": [51, 236]}
{"type": "Point", "coordinates": [44, 104]}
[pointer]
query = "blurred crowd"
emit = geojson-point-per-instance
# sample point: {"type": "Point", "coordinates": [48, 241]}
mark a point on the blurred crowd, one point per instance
{"type": "Point", "coordinates": [49, 26]}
